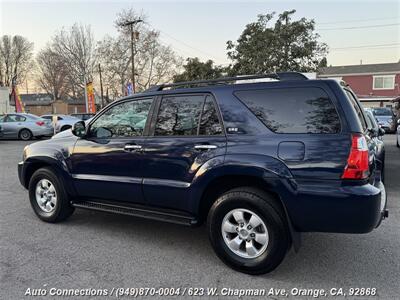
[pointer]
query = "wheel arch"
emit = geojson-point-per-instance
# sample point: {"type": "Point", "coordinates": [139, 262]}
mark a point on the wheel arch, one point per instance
{"type": "Point", "coordinates": [267, 184]}
{"type": "Point", "coordinates": [32, 164]}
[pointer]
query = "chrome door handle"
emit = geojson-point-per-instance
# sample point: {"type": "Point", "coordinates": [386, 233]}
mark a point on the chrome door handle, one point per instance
{"type": "Point", "coordinates": [132, 147]}
{"type": "Point", "coordinates": [205, 147]}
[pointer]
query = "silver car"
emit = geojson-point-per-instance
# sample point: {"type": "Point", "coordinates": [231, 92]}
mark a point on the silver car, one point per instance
{"type": "Point", "coordinates": [64, 122]}
{"type": "Point", "coordinates": [24, 126]}
{"type": "Point", "coordinates": [385, 118]}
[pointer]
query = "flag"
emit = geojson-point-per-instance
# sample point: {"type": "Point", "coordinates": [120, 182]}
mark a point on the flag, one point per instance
{"type": "Point", "coordinates": [19, 106]}
{"type": "Point", "coordinates": [90, 98]}
{"type": "Point", "coordinates": [129, 89]}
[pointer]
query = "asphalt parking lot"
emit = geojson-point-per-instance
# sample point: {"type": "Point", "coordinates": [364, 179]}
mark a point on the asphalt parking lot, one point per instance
{"type": "Point", "coordinates": [99, 250]}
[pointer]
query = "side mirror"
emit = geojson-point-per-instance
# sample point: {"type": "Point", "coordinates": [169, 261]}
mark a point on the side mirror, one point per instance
{"type": "Point", "coordinates": [398, 122]}
{"type": "Point", "coordinates": [381, 131]}
{"type": "Point", "coordinates": [79, 129]}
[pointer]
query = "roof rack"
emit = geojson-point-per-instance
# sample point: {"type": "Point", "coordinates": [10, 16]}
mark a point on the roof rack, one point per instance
{"type": "Point", "coordinates": [223, 80]}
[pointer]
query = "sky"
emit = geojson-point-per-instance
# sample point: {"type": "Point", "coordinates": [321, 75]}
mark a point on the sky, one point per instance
{"type": "Point", "coordinates": [201, 28]}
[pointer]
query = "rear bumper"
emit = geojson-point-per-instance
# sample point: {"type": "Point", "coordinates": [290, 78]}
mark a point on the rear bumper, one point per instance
{"type": "Point", "coordinates": [342, 209]}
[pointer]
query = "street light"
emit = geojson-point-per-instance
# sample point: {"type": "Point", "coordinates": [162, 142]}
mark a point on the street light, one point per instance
{"type": "Point", "coordinates": [131, 23]}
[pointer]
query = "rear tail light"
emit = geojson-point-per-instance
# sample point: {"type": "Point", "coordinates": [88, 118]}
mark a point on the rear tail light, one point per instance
{"type": "Point", "coordinates": [357, 166]}
{"type": "Point", "coordinates": [40, 123]}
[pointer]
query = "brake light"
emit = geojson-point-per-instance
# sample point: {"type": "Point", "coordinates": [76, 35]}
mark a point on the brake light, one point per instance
{"type": "Point", "coordinates": [358, 162]}
{"type": "Point", "coordinates": [40, 123]}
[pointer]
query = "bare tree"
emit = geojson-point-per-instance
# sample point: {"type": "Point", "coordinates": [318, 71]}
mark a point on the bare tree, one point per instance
{"type": "Point", "coordinates": [154, 62]}
{"type": "Point", "coordinates": [53, 72]}
{"type": "Point", "coordinates": [76, 47]}
{"type": "Point", "coordinates": [113, 54]}
{"type": "Point", "coordinates": [15, 58]}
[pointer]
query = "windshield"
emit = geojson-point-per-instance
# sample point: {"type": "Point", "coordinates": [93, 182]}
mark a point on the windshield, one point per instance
{"type": "Point", "coordinates": [382, 111]}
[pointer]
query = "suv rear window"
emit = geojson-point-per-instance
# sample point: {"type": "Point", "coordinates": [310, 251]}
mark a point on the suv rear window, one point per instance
{"type": "Point", "coordinates": [293, 110]}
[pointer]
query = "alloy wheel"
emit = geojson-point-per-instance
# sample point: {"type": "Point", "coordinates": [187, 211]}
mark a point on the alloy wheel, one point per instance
{"type": "Point", "coordinates": [244, 233]}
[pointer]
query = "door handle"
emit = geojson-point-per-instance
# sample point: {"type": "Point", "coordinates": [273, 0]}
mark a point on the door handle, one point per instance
{"type": "Point", "coordinates": [132, 147]}
{"type": "Point", "coordinates": [205, 147]}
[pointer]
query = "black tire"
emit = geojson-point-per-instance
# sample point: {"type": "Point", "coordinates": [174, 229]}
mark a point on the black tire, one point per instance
{"type": "Point", "coordinates": [65, 127]}
{"type": "Point", "coordinates": [63, 208]}
{"type": "Point", "coordinates": [267, 208]}
{"type": "Point", "coordinates": [25, 134]}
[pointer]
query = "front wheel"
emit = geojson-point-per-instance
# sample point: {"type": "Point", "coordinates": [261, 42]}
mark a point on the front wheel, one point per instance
{"type": "Point", "coordinates": [248, 230]}
{"type": "Point", "coordinates": [48, 198]}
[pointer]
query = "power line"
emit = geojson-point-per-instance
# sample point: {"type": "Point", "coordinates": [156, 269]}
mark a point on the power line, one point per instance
{"type": "Point", "coordinates": [366, 46]}
{"type": "Point", "coordinates": [359, 20]}
{"type": "Point", "coordinates": [359, 27]}
{"type": "Point", "coordinates": [186, 44]}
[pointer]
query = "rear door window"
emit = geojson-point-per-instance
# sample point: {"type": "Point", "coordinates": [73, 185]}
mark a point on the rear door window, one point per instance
{"type": "Point", "coordinates": [293, 110]}
{"type": "Point", "coordinates": [179, 115]}
{"type": "Point", "coordinates": [209, 123]}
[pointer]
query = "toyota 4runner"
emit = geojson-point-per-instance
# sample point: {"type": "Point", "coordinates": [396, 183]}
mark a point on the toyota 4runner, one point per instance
{"type": "Point", "coordinates": [259, 162]}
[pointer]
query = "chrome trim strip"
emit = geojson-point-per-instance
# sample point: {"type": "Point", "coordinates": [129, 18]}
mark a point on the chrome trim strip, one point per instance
{"type": "Point", "coordinates": [148, 181]}
{"type": "Point", "coordinates": [107, 178]}
{"type": "Point", "coordinates": [166, 182]}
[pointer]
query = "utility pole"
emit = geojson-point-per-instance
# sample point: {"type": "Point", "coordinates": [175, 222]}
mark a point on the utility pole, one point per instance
{"type": "Point", "coordinates": [86, 95]}
{"type": "Point", "coordinates": [131, 23]}
{"type": "Point", "coordinates": [101, 88]}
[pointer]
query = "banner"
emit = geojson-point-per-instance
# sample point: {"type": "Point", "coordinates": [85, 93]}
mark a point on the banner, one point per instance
{"type": "Point", "coordinates": [90, 98]}
{"type": "Point", "coordinates": [19, 106]}
{"type": "Point", "coordinates": [129, 89]}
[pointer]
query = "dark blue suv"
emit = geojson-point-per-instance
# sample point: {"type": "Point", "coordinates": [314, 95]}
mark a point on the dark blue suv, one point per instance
{"type": "Point", "coordinates": [260, 162]}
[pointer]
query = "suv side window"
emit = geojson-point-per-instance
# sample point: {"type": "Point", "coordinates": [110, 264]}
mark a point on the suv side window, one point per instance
{"type": "Point", "coordinates": [179, 115]}
{"type": "Point", "coordinates": [293, 110]}
{"type": "Point", "coordinates": [126, 119]}
{"type": "Point", "coordinates": [209, 123]}
{"type": "Point", "coordinates": [357, 108]}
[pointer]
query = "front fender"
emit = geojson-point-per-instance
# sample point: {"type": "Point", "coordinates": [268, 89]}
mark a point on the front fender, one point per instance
{"type": "Point", "coordinates": [47, 153]}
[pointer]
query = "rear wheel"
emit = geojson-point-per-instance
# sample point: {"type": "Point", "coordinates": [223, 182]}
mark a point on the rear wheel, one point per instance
{"type": "Point", "coordinates": [248, 230]}
{"type": "Point", "coordinates": [25, 134]}
{"type": "Point", "coordinates": [48, 198]}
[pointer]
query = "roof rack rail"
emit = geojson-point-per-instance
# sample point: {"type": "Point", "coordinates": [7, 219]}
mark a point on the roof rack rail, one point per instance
{"type": "Point", "coordinates": [224, 80]}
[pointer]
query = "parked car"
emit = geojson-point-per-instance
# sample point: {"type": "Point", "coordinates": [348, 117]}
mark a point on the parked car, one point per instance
{"type": "Point", "coordinates": [83, 116]}
{"type": "Point", "coordinates": [24, 126]}
{"type": "Point", "coordinates": [64, 122]}
{"type": "Point", "coordinates": [377, 143]}
{"type": "Point", "coordinates": [259, 162]}
{"type": "Point", "coordinates": [386, 118]}
{"type": "Point", "coordinates": [1, 131]}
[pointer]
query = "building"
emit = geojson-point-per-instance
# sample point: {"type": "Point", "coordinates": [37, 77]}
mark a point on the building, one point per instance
{"type": "Point", "coordinates": [376, 85]}
{"type": "Point", "coordinates": [41, 104]}
{"type": "Point", "coordinates": [5, 106]}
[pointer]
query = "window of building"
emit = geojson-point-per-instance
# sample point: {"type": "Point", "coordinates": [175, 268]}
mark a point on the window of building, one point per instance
{"type": "Point", "coordinates": [293, 110]}
{"type": "Point", "coordinates": [384, 82]}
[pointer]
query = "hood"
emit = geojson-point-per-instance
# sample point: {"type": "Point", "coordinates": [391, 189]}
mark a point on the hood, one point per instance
{"type": "Point", "coordinates": [63, 134]}
{"type": "Point", "coordinates": [384, 118]}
